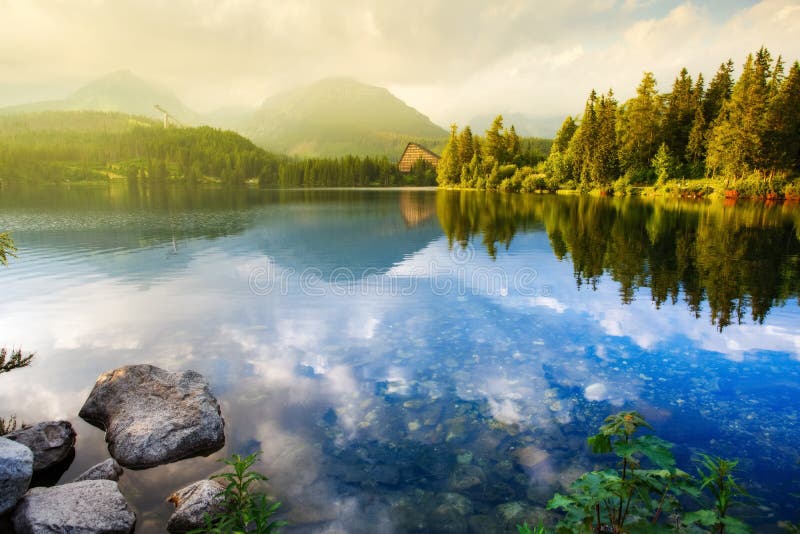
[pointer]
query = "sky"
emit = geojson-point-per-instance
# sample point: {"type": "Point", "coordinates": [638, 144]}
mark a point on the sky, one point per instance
{"type": "Point", "coordinates": [451, 59]}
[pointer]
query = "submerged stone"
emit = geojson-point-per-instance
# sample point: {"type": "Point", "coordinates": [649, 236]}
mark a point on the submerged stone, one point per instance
{"type": "Point", "coordinates": [465, 477]}
{"type": "Point", "coordinates": [530, 456]}
{"type": "Point", "coordinates": [154, 417]}
{"type": "Point", "coordinates": [16, 469]}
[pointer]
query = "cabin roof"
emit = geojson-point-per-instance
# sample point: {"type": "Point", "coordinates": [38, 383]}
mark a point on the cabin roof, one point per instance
{"type": "Point", "coordinates": [429, 152]}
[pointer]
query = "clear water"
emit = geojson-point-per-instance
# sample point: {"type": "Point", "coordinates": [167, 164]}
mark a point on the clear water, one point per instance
{"type": "Point", "coordinates": [412, 360]}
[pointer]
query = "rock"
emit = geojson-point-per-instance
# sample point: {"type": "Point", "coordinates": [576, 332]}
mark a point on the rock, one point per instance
{"type": "Point", "coordinates": [484, 524]}
{"type": "Point", "coordinates": [51, 442]}
{"type": "Point", "coordinates": [108, 470]}
{"type": "Point", "coordinates": [515, 513]}
{"type": "Point", "coordinates": [16, 469]}
{"type": "Point", "coordinates": [449, 514]}
{"type": "Point", "coordinates": [465, 477]}
{"type": "Point", "coordinates": [154, 417]}
{"type": "Point", "coordinates": [530, 456]}
{"type": "Point", "coordinates": [87, 507]}
{"type": "Point", "coordinates": [192, 503]}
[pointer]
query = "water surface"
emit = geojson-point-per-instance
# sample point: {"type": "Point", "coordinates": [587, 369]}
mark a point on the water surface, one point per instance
{"type": "Point", "coordinates": [412, 360]}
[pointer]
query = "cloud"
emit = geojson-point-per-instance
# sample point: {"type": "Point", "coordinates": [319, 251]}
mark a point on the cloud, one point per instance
{"type": "Point", "coordinates": [451, 59]}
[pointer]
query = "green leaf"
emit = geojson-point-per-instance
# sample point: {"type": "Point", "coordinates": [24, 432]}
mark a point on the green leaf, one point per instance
{"type": "Point", "coordinates": [656, 450]}
{"type": "Point", "coordinates": [560, 501]}
{"type": "Point", "coordinates": [735, 526]}
{"type": "Point", "coordinates": [706, 518]}
{"type": "Point", "coordinates": [600, 443]}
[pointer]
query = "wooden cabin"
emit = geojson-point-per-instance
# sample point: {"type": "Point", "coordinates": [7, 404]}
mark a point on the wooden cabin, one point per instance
{"type": "Point", "coordinates": [413, 153]}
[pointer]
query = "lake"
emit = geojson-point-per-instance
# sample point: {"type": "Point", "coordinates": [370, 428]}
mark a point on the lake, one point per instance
{"type": "Point", "coordinates": [412, 360]}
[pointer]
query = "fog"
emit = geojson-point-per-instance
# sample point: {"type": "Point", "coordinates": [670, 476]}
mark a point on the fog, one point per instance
{"type": "Point", "coordinates": [451, 59]}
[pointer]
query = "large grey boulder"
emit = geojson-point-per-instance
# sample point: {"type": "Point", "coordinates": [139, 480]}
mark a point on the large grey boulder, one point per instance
{"type": "Point", "coordinates": [192, 503]}
{"type": "Point", "coordinates": [107, 470]}
{"type": "Point", "coordinates": [16, 469]}
{"type": "Point", "coordinates": [153, 417]}
{"type": "Point", "coordinates": [88, 507]}
{"type": "Point", "coordinates": [51, 442]}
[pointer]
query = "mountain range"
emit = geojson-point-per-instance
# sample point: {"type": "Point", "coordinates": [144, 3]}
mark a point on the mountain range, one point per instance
{"type": "Point", "coordinates": [332, 117]}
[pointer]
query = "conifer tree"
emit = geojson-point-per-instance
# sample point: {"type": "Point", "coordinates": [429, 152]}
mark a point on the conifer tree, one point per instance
{"type": "Point", "coordinates": [465, 146]}
{"type": "Point", "coordinates": [448, 172]}
{"type": "Point", "coordinates": [719, 91]}
{"type": "Point", "coordinates": [680, 114]}
{"type": "Point", "coordinates": [639, 127]}
{"type": "Point", "coordinates": [495, 146]}
{"type": "Point", "coordinates": [512, 146]}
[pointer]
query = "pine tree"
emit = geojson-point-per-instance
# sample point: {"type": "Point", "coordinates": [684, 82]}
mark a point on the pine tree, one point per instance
{"type": "Point", "coordinates": [564, 135]}
{"type": "Point", "coordinates": [512, 146]}
{"type": "Point", "coordinates": [581, 146]}
{"type": "Point", "coordinates": [466, 146]}
{"type": "Point", "coordinates": [605, 162]}
{"type": "Point", "coordinates": [448, 172]}
{"type": "Point", "coordinates": [495, 147]}
{"type": "Point", "coordinates": [719, 91]}
{"type": "Point", "coordinates": [639, 127]}
{"type": "Point", "coordinates": [696, 148]}
{"type": "Point", "coordinates": [784, 123]}
{"type": "Point", "coordinates": [680, 114]}
{"type": "Point", "coordinates": [736, 145]}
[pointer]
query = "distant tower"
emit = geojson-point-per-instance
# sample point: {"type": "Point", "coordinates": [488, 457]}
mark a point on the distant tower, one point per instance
{"type": "Point", "coordinates": [167, 116]}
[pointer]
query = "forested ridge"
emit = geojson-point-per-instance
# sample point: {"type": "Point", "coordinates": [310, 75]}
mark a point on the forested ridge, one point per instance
{"type": "Point", "coordinates": [739, 137]}
{"type": "Point", "coordinates": [98, 146]}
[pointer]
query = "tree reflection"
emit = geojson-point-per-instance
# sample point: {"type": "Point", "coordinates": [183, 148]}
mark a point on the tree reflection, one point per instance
{"type": "Point", "coordinates": [741, 259]}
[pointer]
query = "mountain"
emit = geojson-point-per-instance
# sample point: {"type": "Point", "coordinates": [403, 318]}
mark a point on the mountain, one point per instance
{"type": "Point", "coordinates": [339, 116]}
{"type": "Point", "coordinates": [525, 125]}
{"type": "Point", "coordinates": [120, 91]}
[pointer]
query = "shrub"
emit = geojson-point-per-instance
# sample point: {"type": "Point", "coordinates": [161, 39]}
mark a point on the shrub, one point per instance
{"type": "Point", "coordinates": [243, 509]}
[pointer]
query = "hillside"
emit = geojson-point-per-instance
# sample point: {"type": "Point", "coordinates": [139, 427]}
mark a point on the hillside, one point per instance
{"type": "Point", "coordinates": [96, 146]}
{"type": "Point", "coordinates": [339, 116]}
{"type": "Point", "coordinates": [120, 91]}
{"type": "Point", "coordinates": [55, 146]}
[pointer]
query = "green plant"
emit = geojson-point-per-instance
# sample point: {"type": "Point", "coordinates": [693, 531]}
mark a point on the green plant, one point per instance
{"type": "Point", "coordinates": [630, 497]}
{"type": "Point", "coordinates": [716, 476]}
{"type": "Point", "coordinates": [7, 248]}
{"type": "Point", "coordinates": [243, 510]}
{"type": "Point", "coordinates": [525, 529]}
{"type": "Point", "coordinates": [16, 361]}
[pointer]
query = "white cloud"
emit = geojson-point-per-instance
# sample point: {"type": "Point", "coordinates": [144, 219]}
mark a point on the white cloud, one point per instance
{"type": "Point", "coordinates": [452, 60]}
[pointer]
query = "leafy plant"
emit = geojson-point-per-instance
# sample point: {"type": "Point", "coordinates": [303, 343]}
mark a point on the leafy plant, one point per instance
{"type": "Point", "coordinates": [10, 425]}
{"type": "Point", "coordinates": [7, 248]}
{"type": "Point", "coordinates": [243, 510]}
{"type": "Point", "coordinates": [716, 476]}
{"type": "Point", "coordinates": [525, 529]}
{"type": "Point", "coordinates": [16, 361]}
{"type": "Point", "coordinates": [616, 500]}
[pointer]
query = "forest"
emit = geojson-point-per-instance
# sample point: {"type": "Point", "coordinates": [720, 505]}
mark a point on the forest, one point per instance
{"type": "Point", "coordinates": [90, 146]}
{"type": "Point", "coordinates": [739, 138]}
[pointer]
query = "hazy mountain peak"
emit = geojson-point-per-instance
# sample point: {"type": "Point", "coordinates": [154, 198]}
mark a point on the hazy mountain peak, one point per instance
{"type": "Point", "coordinates": [336, 116]}
{"type": "Point", "coordinates": [120, 91]}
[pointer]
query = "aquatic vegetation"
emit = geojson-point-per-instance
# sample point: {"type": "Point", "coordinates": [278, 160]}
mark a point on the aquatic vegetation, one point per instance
{"type": "Point", "coordinates": [716, 476]}
{"type": "Point", "coordinates": [612, 499]}
{"type": "Point", "coordinates": [525, 529]}
{"type": "Point", "coordinates": [244, 510]}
